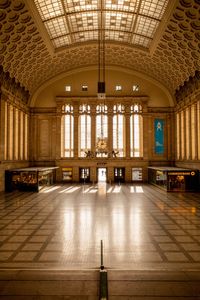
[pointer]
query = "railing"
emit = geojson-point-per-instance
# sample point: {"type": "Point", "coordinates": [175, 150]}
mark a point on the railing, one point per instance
{"type": "Point", "coordinates": [103, 283]}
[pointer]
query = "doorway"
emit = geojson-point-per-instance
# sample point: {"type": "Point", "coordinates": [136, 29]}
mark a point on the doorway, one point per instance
{"type": "Point", "coordinates": [119, 175]}
{"type": "Point", "coordinates": [102, 174]}
{"type": "Point", "coordinates": [84, 175]}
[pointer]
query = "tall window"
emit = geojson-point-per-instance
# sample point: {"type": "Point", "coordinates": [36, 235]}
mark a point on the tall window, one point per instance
{"type": "Point", "coordinates": [119, 130]}
{"type": "Point", "coordinates": [84, 130]}
{"type": "Point", "coordinates": [67, 131]}
{"type": "Point", "coordinates": [101, 129]}
{"type": "Point", "coordinates": [136, 131]}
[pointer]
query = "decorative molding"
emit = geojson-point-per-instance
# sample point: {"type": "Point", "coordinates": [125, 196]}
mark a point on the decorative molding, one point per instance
{"type": "Point", "coordinates": [189, 88]}
{"type": "Point", "coordinates": [12, 88]}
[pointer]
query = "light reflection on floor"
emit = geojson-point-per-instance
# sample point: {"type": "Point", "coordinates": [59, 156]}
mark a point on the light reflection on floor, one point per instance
{"type": "Point", "coordinates": [141, 227]}
{"type": "Point", "coordinates": [101, 188]}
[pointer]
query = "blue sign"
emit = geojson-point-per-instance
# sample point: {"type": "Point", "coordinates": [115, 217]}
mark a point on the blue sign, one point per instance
{"type": "Point", "coordinates": [159, 136]}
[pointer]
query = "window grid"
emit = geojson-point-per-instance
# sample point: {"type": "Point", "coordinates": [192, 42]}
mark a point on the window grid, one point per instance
{"type": "Point", "coordinates": [84, 129]}
{"type": "Point", "coordinates": [67, 131]}
{"type": "Point", "coordinates": [141, 40]}
{"type": "Point", "coordinates": [80, 5]}
{"type": "Point", "coordinates": [84, 21]}
{"type": "Point", "coordinates": [118, 21]}
{"type": "Point", "coordinates": [127, 5]}
{"type": "Point", "coordinates": [84, 134]}
{"type": "Point", "coordinates": [61, 41]}
{"type": "Point", "coordinates": [80, 20]}
{"type": "Point", "coordinates": [119, 130]}
{"type": "Point", "coordinates": [136, 131]}
{"type": "Point", "coordinates": [56, 27]}
{"type": "Point", "coordinates": [117, 35]}
{"type": "Point", "coordinates": [146, 27]}
{"type": "Point", "coordinates": [49, 8]}
{"type": "Point", "coordinates": [153, 8]}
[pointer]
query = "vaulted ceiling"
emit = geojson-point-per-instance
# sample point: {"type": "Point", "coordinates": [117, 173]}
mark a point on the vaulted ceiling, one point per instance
{"type": "Point", "coordinates": [41, 39]}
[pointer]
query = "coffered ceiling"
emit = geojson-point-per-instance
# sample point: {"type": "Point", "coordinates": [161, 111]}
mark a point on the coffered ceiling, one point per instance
{"type": "Point", "coordinates": [41, 39]}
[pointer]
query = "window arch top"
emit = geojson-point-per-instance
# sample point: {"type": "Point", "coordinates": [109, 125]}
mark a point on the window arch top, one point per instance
{"type": "Point", "coordinates": [101, 108]}
{"type": "Point", "coordinates": [136, 108]}
{"type": "Point", "coordinates": [118, 108]}
{"type": "Point", "coordinates": [67, 108]}
{"type": "Point", "coordinates": [84, 109]}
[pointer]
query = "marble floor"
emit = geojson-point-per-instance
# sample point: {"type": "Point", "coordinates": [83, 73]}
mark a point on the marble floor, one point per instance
{"type": "Point", "coordinates": [60, 228]}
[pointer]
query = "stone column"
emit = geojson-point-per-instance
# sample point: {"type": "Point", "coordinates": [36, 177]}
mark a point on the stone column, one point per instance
{"type": "Point", "coordinates": [10, 132]}
{"type": "Point", "coordinates": [16, 132]}
{"type": "Point", "coordinates": [189, 146]}
{"type": "Point", "coordinates": [3, 129]}
{"type": "Point", "coordinates": [195, 156]}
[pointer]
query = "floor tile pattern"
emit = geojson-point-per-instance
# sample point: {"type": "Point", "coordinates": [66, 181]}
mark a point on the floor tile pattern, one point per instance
{"type": "Point", "coordinates": [142, 228]}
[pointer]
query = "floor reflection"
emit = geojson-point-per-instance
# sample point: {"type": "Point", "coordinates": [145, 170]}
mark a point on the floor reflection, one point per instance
{"type": "Point", "coordinates": [63, 225]}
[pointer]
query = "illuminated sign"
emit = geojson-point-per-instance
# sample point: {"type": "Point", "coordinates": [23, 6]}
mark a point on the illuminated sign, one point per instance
{"type": "Point", "coordinates": [182, 173]}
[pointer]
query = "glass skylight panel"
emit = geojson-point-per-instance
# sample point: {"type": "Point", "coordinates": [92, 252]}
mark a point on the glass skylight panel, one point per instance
{"type": "Point", "coordinates": [153, 8]}
{"type": "Point", "coordinates": [85, 36]}
{"type": "Point", "coordinates": [80, 5]}
{"type": "Point", "coordinates": [117, 36]}
{"type": "Point", "coordinates": [77, 21]}
{"type": "Point", "coordinates": [61, 41]}
{"type": "Point", "coordinates": [56, 27]}
{"type": "Point", "coordinates": [84, 21]}
{"type": "Point", "coordinates": [49, 8]}
{"type": "Point", "coordinates": [119, 21]}
{"type": "Point", "coordinates": [141, 41]}
{"type": "Point", "coordinates": [125, 5]}
{"type": "Point", "coordinates": [146, 26]}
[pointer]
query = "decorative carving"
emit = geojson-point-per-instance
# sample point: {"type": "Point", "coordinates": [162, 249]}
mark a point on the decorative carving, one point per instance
{"type": "Point", "coordinates": [189, 87]}
{"type": "Point", "coordinates": [10, 85]}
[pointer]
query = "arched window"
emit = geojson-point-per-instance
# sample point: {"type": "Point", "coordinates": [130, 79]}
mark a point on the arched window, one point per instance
{"type": "Point", "coordinates": [101, 130]}
{"type": "Point", "coordinates": [67, 131]}
{"type": "Point", "coordinates": [136, 131]}
{"type": "Point", "coordinates": [119, 130]}
{"type": "Point", "coordinates": [84, 130]}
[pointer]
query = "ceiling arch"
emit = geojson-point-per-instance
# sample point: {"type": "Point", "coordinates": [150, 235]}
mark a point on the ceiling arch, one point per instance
{"type": "Point", "coordinates": [26, 55]}
{"type": "Point", "coordinates": [156, 92]}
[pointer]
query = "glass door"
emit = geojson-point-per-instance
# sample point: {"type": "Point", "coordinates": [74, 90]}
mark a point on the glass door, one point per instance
{"type": "Point", "coordinates": [102, 174]}
{"type": "Point", "coordinates": [119, 175]}
{"type": "Point", "coordinates": [84, 175]}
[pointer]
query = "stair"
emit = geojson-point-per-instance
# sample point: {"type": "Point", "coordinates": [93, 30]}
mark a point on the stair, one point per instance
{"type": "Point", "coordinates": [84, 285]}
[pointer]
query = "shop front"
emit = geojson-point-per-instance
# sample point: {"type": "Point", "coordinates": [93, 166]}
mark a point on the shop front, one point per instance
{"type": "Point", "coordinates": [29, 179]}
{"type": "Point", "coordinates": [173, 179]}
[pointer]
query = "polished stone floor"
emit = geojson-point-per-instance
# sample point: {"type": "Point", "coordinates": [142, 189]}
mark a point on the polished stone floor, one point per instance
{"type": "Point", "coordinates": [142, 228]}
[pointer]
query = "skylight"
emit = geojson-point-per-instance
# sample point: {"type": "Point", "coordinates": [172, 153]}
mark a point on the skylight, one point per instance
{"type": "Point", "coordinates": [73, 21]}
